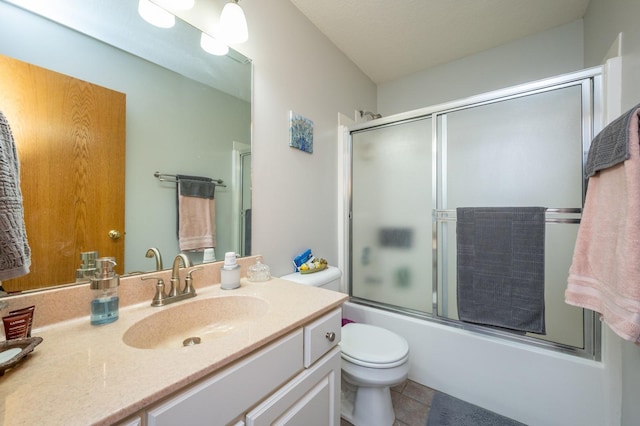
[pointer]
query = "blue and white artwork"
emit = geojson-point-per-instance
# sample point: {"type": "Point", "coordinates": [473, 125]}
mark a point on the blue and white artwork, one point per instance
{"type": "Point", "coordinates": [300, 133]}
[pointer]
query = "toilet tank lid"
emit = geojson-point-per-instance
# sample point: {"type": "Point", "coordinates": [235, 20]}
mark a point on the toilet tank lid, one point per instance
{"type": "Point", "coordinates": [315, 279]}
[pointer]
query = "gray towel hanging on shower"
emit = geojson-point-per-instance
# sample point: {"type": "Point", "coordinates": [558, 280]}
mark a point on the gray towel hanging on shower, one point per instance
{"type": "Point", "coordinates": [500, 255]}
{"type": "Point", "coordinates": [611, 145]}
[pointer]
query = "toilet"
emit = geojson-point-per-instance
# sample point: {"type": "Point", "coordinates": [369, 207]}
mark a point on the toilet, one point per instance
{"type": "Point", "coordinates": [373, 360]}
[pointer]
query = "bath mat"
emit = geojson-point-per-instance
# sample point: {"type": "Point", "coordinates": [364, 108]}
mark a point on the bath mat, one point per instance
{"type": "Point", "coordinates": [449, 411]}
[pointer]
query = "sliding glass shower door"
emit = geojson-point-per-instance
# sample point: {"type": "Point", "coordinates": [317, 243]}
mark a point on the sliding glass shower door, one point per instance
{"type": "Point", "coordinates": [391, 224]}
{"type": "Point", "coordinates": [516, 148]}
{"type": "Point", "coordinates": [517, 152]}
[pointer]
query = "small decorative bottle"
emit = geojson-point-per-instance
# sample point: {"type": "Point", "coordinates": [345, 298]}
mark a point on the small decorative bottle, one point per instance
{"type": "Point", "coordinates": [230, 272]}
{"type": "Point", "coordinates": [104, 286]}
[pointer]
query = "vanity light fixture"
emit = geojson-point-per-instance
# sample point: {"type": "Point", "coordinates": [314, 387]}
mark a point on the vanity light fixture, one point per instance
{"type": "Point", "coordinates": [233, 24]}
{"type": "Point", "coordinates": [213, 45]}
{"type": "Point", "coordinates": [155, 15]}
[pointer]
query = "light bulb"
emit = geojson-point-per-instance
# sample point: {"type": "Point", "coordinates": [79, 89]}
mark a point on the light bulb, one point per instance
{"type": "Point", "coordinates": [155, 15]}
{"type": "Point", "coordinates": [233, 24]}
{"type": "Point", "coordinates": [213, 45]}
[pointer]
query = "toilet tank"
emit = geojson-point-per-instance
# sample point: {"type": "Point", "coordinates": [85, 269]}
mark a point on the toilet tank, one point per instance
{"type": "Point", "coordinates": [328, 278]}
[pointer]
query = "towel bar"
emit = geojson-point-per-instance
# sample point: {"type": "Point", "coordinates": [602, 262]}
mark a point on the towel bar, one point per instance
{"type": "Point", "coordinates": [163, 177]}
{"type": "Point", "coordinates": [449, 215]}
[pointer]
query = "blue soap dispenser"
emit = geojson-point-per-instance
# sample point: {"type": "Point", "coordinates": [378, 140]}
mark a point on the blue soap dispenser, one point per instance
{"type": "Point", "coordinates": [104, 286]}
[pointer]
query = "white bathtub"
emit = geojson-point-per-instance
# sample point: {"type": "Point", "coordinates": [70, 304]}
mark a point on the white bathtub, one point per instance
{"type": "Point", "coordinates": [532, 385]}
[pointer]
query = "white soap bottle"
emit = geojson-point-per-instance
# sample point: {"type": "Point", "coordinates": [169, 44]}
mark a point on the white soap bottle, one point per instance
{"type": "Point", "coordinates": [230, 272]}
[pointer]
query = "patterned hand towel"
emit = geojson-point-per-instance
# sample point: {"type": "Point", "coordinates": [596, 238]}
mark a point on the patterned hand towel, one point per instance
{"type": "Point", "coordinates": [500, 259]}
{"type": "Point", "coordinates": [15, 254]}
{"type": "Point", "coordinates": [605, 272]}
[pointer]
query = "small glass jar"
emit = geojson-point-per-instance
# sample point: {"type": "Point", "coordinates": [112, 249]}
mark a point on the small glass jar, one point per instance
{"type": "Point", "coordinates": [258, 272]}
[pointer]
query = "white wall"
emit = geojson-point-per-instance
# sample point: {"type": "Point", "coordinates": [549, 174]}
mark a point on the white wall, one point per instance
{"type": "Point", "coordinates": [604, 20]}
{"type": "Point", "coordinates": [553, 52]}
{"type": "Point", "coordinates": [296, 68]}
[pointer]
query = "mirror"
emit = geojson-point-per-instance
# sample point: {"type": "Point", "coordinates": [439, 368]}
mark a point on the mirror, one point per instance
{"type": "Point", "coordinates": [187, 112]}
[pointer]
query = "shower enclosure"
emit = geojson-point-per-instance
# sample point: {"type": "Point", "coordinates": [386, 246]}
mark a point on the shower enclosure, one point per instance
{"type": "Point", "coordinates": [523, 146]}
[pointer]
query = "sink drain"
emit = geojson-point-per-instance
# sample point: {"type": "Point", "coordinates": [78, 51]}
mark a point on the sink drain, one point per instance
{"type": "Point", "coordinates": [191, 341]}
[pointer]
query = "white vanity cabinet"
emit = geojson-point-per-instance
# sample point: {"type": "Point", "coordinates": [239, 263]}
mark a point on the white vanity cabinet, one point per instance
{"type": "Point", "coordinates": [313, 396]}
{"type": "Point", "coordinates": [293, 381]}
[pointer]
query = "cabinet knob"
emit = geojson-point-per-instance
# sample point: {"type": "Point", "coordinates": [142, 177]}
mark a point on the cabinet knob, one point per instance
{"type": "Point", "coordinates": [331, 336]}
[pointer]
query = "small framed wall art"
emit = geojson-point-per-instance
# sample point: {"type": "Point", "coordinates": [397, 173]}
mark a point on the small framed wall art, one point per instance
{"type": "Point", "coordinates": [300, 132]}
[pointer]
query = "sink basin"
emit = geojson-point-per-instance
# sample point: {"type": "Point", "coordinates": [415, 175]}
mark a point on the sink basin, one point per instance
{"type": "Point", "coordinates": [196, 321]}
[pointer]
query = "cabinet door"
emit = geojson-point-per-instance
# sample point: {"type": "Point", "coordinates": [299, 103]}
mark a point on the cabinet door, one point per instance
{"type": "Point", "coordinates": [311, 399]}
{"type": "Point", "coordinates": [223, 397]}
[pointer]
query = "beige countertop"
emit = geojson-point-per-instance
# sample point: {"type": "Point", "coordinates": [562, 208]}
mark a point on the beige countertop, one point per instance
{"type": "Point", "coordinates": [82, 374]}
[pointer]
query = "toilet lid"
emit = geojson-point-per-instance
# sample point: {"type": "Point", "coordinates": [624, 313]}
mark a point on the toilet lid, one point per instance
{"type": "Point", "coordinates": [372, 346]}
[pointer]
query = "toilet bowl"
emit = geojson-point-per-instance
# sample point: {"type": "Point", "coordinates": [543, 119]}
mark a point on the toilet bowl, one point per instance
{"type": "Point", "coordinates": [373, 360]}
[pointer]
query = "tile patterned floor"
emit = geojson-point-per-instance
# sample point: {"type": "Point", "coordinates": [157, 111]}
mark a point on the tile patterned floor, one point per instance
{"type": "Point", "coordinates": [411, 402]}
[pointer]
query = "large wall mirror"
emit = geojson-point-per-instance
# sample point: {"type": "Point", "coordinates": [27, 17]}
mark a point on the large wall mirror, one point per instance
{"type": "Point", "coordinates": [187, 112]}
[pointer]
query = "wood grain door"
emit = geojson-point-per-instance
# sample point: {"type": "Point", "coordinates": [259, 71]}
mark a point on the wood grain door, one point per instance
{"type": "Point", "coordinates": [70, 138]}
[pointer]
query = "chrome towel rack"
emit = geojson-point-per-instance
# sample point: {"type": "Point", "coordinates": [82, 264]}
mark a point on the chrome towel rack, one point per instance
{"type": "Point", "coordinates": [449, 215]}
{"type": "Point", "coordinates": [164, 177]}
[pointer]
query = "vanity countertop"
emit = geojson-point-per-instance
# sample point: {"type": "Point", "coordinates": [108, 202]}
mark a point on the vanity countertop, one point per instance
{"type": "Point", "coordinates": [82, 374]}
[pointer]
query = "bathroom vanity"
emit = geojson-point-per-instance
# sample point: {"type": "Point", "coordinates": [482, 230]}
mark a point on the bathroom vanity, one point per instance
{"type": "Point", "coordinates": [278, 360]}
{"type": "Point", "coordinates": [299, 373]}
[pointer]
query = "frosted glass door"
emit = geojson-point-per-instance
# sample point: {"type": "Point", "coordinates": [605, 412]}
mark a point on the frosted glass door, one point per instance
{"type": "Point", "coordinates": [518, 152]}
{"type": "Point", "coordinates": [391, 229]}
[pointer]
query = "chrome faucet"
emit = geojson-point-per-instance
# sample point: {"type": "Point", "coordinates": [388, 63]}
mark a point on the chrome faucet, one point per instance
{"type": "Point", "coordinates": [154, 252]}
{"type": "Point", "coordinates": [175, 294]}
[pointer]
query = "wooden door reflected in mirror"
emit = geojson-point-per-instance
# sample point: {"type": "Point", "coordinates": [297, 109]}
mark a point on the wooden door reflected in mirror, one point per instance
{"type": "Point", "coordinates": [73, 190]}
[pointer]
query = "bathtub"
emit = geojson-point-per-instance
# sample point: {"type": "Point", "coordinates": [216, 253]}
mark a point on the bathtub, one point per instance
{"type": "Point", "coordinates": [529, 384]}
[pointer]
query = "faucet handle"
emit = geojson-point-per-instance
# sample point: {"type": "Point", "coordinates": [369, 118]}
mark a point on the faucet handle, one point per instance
{"type": "Point", "coordinates": [160, 296]}
{"type": "Point", "coordinates": [188, 281]}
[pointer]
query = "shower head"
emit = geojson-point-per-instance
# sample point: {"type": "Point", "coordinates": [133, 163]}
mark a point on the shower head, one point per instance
{"type": "Point", "coordinates": [373, 115]}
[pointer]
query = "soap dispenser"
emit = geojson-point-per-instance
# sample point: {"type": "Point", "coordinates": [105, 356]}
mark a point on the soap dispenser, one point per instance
{"type": "Point", "coordinates": [230, 272]}
{"type": "Point", "coordinates": [104, 286]}
{"type": "Point", "coordinates": [88, 267]}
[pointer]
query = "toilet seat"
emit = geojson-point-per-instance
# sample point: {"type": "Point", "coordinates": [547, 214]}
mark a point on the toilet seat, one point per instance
{"type": "Point", "coordinates": [374, 347]}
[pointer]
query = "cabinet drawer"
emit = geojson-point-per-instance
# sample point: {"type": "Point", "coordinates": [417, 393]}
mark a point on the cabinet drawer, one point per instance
{"type": "Point", "coordinates": [322, 335]}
